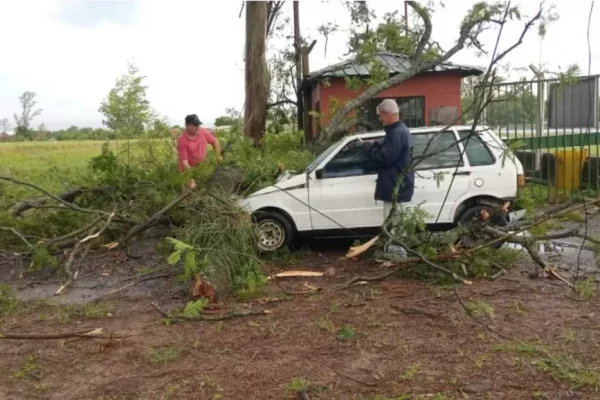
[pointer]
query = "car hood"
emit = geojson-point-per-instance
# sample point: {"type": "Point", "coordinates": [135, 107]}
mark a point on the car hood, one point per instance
{"type": "Point", "coordinates": [285, 181]}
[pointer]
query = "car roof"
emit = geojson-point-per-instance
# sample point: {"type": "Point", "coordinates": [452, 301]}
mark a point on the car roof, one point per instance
{"type": "Point", "coordinates": [370, 135]}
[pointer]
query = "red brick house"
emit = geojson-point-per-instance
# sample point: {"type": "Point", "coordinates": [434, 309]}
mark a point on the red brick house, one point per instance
{"type": "Point", "coordinates": [430, 98]}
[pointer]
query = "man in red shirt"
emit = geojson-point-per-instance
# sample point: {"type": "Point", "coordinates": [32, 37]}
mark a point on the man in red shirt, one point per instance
{"type": "Point", "coordinates": [191, 146]}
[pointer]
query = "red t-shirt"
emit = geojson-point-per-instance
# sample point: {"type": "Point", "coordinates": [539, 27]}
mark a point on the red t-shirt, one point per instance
{"type": "Point", "coordinates": [193, 150]}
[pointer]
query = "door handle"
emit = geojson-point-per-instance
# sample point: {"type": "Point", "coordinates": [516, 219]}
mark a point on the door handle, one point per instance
{"type": "Point", "coordinates": [462, 173]}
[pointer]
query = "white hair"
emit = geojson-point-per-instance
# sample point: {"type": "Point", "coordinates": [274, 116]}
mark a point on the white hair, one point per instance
{"type": "Point", "coordinates": [388, 106]}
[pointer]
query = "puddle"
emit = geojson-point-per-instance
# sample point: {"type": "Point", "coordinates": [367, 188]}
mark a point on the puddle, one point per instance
{"type": "Point", "coordinates": [565, 254]}
{"type": "Point", "coordinates": [85, 290]}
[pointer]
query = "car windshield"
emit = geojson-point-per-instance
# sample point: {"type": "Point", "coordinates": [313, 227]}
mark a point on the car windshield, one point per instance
{"type": "Point", "coordinates": [311, 167]}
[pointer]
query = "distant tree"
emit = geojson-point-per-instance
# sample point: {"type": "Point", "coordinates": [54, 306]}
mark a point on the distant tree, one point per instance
{"type": "Point", "coordinates": [224, 120]}
{"type": "Point", "coordinates": [42, 132]}
{"type": "Point", "coordinates": [28, 113]}
{"type": "Point", "coordinates": [4, 125]}
{"type": "Point", "coordinates": [126, 109]}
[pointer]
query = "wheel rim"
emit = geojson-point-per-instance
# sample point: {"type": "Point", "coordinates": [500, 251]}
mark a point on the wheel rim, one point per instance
{"type": "Point", "coordinates": [271, 235]}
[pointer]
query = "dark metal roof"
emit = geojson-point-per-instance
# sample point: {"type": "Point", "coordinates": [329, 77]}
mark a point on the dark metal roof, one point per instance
{"type": "Point", "coordinates": [396, 63]}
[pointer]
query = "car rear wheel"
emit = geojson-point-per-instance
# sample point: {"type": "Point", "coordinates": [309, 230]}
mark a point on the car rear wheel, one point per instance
{"type": "Point", "coordinates": [473, 216]}
{"type": "Point", "coordinates": [274, 231]}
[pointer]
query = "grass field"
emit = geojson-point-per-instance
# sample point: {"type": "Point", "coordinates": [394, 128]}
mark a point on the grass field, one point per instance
{"type": "Point", "coordinates": [26, 157]}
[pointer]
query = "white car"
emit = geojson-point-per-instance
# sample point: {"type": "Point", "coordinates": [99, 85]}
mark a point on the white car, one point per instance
{"type": "Point", "coordinates": [334, 195]}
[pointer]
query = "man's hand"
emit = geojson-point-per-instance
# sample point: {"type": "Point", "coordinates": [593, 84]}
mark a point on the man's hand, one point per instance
{"type": "Point", "coordinates": [192, 185]}
{"type": "Point", "coordinates": [219, 159]}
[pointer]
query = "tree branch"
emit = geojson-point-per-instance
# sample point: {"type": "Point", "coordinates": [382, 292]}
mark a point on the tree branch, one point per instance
{"type": "Point", "coordinates": [222, 317]}
{"type": "Point", "coordinates": [273, 9]}
{"type": "Point", "coordinates": [424, 14]}
{"type": "Point", "coordinates": [97, 333]}
{"type": "Point", "coordinates": [282, 102]}
{"type": "Point", "coordinates": [57, 198]}
{"type": "Point", "coordinates": [18, 234]}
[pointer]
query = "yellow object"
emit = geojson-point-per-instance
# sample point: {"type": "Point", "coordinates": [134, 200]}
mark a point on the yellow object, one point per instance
{"type": "Point", "coordinates": [569, 165]}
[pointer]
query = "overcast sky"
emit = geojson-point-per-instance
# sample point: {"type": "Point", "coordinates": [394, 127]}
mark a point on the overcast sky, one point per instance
{"type": "Point", "coordinates": [71, 52]}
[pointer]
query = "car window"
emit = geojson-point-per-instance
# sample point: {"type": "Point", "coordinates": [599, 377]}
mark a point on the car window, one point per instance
{"type": "Point", "coordinates": [435, 150]}
{"type": "Point", "coordinates": [476, 150]}
{"type": "Point", "coordinates": [350, 161]}
{"type": "Point", "coordinates": [317, 161]}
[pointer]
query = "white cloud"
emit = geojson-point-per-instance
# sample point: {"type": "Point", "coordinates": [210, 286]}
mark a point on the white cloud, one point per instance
{"type": "Point", "coordinates": [192, 53]}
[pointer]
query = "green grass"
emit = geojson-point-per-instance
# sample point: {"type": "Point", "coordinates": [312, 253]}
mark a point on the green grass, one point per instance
{"type": "Point", "coordinates": [563, 367]}
{"type": "Point", "coordinates": [164, 355]}
{"type": "Point", "coordinates": [26, 156]}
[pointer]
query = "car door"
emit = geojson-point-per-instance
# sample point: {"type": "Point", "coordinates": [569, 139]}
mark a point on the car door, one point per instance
{"type": "Point", "coordinates": [344, 194]}
{"type": "Point", "coordinates": [488, 175]}
{"type": "Point", "coordinates": [441, 174]}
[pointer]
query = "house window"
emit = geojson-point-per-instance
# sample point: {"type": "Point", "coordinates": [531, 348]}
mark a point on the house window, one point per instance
{"type": "Point", "coordinates": [435, 150]}
{"type": "Point", "coordinates": [412, 110]}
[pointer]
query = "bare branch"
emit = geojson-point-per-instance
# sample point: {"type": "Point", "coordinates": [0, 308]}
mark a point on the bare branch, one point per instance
{"type": "Point", "coordinates": [422, 12]}
{"type": "Point", "coordinates": [273, 9]}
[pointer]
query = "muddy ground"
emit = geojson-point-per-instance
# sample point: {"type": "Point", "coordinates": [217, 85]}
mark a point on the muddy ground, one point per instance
{"type": "Point", "coordinates": [530, 337]}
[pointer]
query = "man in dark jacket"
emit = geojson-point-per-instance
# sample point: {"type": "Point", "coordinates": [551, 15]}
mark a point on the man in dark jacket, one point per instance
{"type": "Point", "coordinates": [392, 157]}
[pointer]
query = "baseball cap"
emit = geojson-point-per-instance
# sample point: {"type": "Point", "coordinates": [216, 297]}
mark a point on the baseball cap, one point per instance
{"type": "Point", "coordinates": [192, 119]}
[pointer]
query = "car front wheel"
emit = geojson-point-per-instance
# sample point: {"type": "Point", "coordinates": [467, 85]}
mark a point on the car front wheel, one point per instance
{"type": "Point", "coordinates": [274, 231]}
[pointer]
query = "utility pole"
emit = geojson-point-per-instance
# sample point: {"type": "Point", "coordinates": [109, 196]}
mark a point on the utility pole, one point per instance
{"type": "Point", "coordinates": [298, 61]}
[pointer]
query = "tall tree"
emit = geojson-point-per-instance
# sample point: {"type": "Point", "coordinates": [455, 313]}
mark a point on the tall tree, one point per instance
{"type": "Point", "coordinates": [28, 113]}
{"type": "Point", "coordinates": [257, 86]}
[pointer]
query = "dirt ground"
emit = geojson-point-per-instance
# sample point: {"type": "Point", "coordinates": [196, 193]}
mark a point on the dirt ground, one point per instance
{"type": "Point", "coordinates": [530, 337]}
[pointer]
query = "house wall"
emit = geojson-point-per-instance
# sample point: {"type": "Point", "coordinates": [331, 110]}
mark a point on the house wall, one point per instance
{"type": "Point", "coordinates": [439, 90]}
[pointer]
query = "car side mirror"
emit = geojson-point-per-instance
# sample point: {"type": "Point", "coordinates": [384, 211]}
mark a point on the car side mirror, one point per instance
{"type": "Point", "coordinates": [319, 173]}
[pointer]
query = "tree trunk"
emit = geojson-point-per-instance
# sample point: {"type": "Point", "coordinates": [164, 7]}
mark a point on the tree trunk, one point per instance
{"type": "Point", "coordinates": [257, 90]}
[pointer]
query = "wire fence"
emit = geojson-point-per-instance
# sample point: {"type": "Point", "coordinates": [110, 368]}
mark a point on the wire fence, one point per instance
{"type": "Point", "coordinates": [552, 126]}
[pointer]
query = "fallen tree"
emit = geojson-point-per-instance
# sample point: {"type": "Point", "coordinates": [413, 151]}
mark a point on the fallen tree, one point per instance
{"type": "Point", "coordinates": [422, 53]}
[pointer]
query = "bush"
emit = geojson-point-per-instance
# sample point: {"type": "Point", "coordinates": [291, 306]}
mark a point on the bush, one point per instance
{"type": "Point", "coordinates": [262, 165]}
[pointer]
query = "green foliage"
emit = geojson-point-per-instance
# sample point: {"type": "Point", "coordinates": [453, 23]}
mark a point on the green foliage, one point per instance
{"type": "Point", "coordinates": [8, 301]}
{"type": "Point", "coordinates": [262, 166]}
{"type": "Point", "coordinates": [297, 385]}
{"type": "Point", "coordinates": [225, 120]}
{"type": "Point", "coordinates": [411, 371]}
{"type": "Point", "coordinates": [481, 308]}
{"type": "Point", "coordinates": [94, 310]}
{"type": "Point", "coordinates": [586, 288]}
{"type": "Point", "coordinates": [530, 198]}
{"type": "Point", "coordinates": [190, 266]}
{"type": "Point", "coordinates": [29, 369]}
{"type": "Point", "coordinates": [562, 367]}
{"type": "Point", "coordinates": [344, 333]}
{"type": "Point", "coordinates": [28, 113]}
{"type": "Point", "coordinates": [164, 355]}
{"type": "Point", "coordinates": [218, 241]}
{"type": "Point", "coordinates": [194, 308]}
{"type": "Point", "coordinates": [407, 225]}
{"type": "Point", "coordinates": [42, 258]}
{"type": "Point", "coordinates": [126, 109]}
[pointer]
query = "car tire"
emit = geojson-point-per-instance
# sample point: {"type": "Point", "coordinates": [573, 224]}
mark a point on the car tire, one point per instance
{"type": "Point", "coordinates": [473, 213]}
{"type": "Point", "coordinates": [274, 231]}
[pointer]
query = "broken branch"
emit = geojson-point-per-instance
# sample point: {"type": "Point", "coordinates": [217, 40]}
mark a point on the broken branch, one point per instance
{"type": "Point", "coordinates": [229, 315]}
{"type": "Point", "coordinates": [98, 333]}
